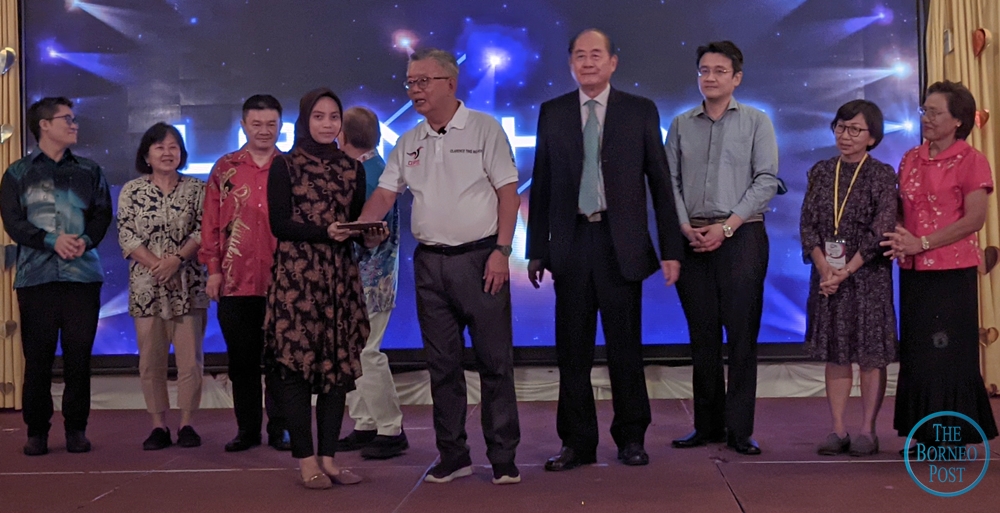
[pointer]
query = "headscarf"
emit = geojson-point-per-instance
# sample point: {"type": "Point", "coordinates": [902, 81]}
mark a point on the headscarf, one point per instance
{"type": "Point", "coordinates": [303, 139]}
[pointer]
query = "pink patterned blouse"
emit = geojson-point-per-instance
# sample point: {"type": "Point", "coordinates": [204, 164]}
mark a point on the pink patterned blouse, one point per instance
{"type": "Point", "coordinates": [933, 194]}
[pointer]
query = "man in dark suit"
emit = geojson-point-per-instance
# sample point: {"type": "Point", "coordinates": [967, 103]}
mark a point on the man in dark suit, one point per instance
{"type": "Point", "coordinates": [596, 150]}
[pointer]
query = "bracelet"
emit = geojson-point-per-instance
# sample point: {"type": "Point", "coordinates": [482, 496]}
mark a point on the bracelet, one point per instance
{"type": "Point", "coordinates": [924, 243]}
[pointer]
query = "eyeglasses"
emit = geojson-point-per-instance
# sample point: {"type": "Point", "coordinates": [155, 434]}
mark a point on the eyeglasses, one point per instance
{"type": "Point", "coordinates": [421, 83]}
{"type": "Point", "coordinates": [852, 131]}
{"type": "Point", "coordinates": [70, 120]}
{"type": "Point", "coordinates": [719, 72]}
{"type": "Point", "coordinates": [929, 114]}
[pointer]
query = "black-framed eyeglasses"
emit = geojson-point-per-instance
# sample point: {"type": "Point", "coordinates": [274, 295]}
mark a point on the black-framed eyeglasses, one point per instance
{"type": "Point", "coordinates": [68, 118]}
{"type": "Point", "coordinates": [852, 131]}
{"type": "Point", "coordinates": [421, 83]}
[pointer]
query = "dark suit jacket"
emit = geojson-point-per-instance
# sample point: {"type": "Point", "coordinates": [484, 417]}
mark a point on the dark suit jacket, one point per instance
{"type": "Point", "coordinates": [632, 155]}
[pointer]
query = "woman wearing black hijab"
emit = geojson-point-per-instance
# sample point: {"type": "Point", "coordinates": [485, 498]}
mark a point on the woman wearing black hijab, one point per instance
{"type": "Point", "coordinates": [316, 323]}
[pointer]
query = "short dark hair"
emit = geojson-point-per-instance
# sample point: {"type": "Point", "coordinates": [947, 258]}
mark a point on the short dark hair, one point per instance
{"type": "Point", "coordinates": [612, 49]}
{"type": "Point", "coordinates": [961, 105]}
{"type": "Point", "coordinates": [261, 102]}
{"type": "Point", "coordinates": [361, 128]}
{"type": "Point", "coordinates": [157, 133]}
{"type": "Point", "coordinates": [44, 109]}
{"type": "Point", "coordinates": [871, 113]}
{"type": "Point", "coordinates": [727, 48]}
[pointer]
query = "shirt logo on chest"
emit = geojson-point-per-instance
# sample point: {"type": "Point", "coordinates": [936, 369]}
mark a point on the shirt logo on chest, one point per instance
{"type": "Point", "coordinates": [414, 157]}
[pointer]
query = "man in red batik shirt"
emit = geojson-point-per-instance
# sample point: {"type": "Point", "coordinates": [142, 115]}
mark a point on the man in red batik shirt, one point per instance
{"type": "Point", "coordinates": [238, 248]}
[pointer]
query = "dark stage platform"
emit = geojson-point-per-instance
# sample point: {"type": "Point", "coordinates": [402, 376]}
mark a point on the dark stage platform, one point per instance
{"type": "Point", "coordinates": [117, 476]}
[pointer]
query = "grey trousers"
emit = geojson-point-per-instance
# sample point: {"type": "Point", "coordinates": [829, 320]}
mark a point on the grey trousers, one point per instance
{"type": "Point", "coordinates": [450, 299]}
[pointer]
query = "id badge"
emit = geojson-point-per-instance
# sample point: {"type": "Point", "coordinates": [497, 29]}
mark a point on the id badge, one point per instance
{"type": "Point", "coordinates": [836, 253]}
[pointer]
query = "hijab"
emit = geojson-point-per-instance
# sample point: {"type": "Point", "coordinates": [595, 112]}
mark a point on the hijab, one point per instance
{"type": "Point", "coordinates": [303, 139]}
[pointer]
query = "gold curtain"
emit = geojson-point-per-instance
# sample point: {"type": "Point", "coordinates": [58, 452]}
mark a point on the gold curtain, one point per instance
{"type": "Point", "coordinates": [11, 358]}
{"type": "Point", "coordinates": [957, 21]}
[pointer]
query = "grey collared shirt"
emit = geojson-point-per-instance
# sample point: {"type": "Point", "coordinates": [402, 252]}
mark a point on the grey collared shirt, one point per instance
{"type": "Point", "coordinates": [722, 167]}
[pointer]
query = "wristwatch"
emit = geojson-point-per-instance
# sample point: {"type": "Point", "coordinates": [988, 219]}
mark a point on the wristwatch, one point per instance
{"type": "Point", "coordinates": [924, 243]}
{"type": "Point", "coordinates": [504, 250]}
{"type": "Point", "coordinates": [727, 230]}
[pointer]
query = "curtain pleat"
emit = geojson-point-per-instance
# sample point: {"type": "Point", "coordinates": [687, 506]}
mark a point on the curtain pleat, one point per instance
{"type": "Point", "coordinates": [11, 358]}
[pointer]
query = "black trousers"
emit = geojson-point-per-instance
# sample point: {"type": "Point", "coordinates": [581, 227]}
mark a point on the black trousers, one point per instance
{"type": "Point", "coordinates": [295, 395]}
{"type": "Point", "coordinates": [592, 283]}
{"type": "Point", "coordinates": [241, 319]}
{"type": "Point", "coordinates": [450, 298]}
{"type": "Point", "coordinates": [724, 289]}
{"type": "Point", "coordinates": [49, 313]}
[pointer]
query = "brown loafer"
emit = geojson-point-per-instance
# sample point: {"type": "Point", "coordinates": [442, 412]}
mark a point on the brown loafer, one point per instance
{"type": "Point", "coordinates": [345, 477]}
{"type": "Point", "coordinates": [318, 482]}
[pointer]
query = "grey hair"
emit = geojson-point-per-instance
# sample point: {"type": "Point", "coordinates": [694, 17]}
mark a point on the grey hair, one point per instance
{"type": "Point", "coordinates": [446, 59]}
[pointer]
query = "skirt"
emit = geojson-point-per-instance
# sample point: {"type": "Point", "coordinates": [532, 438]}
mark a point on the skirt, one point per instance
{"type": "Point", "coordinates": [939, 355]}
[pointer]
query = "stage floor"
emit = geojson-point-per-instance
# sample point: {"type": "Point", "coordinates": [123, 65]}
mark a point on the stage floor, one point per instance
{"type": "Point", "coordinates": [117, 476]}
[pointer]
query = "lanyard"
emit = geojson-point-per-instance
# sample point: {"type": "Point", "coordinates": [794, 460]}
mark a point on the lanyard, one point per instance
{"type": "Point", "coordinates": [839, 213]}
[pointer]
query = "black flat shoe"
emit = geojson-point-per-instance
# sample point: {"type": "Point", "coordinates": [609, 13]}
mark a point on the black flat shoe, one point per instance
{"type": "Point", "coordinates": [242, 442]}
{"type": "Point", "coordinates": [188, 437]}
{"type": "Point", "coordinates": [158, 439]}
{"type": "Point", "coordinates": [747, 446]}
{"type": "Point", "coordinates": [698, 439]}
{"type": "Point", "coordinates": [633, 455]}
{"type": "Point", "coordinates": [568, 459]}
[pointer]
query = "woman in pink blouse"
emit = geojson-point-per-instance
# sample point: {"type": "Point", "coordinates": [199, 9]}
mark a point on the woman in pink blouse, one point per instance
{"type": "Point", "coordinates": [943, 187]}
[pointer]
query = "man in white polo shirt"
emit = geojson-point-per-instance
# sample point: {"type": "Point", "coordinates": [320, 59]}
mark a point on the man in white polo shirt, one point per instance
{"type": "Point", "coordinates": [460, 168]}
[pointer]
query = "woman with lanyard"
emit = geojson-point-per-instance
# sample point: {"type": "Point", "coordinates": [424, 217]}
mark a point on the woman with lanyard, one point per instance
{"type": "Point", "coordinates": [849, 204]}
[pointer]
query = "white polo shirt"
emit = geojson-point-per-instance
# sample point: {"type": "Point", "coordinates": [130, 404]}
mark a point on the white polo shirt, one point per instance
{"type": "Point", "coordinates": [453, 177]}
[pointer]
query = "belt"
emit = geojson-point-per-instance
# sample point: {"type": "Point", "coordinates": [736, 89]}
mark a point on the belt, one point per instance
{"type": "Point", "coordinates": [596, 217]}
{"type": "Point", "coordinates": [700, 222]}
{"type": "Point", "coordinates": [461, 249]}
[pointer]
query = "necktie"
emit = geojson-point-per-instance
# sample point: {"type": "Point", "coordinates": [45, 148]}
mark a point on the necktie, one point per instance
{"type": "Point", "coordinates": [589, 181]}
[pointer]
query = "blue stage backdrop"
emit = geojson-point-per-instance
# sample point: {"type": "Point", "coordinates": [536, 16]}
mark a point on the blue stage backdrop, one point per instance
{"type": "Point", "coordinates": [192, 63]}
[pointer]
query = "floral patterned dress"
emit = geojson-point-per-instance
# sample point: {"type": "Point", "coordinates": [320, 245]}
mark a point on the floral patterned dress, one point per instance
{"type": "Point", "coordinates": [163, 222]}
{"type": "Point", "coordinates": [857, 324]}
{"type": "Point", "coordinates": [316, 323]}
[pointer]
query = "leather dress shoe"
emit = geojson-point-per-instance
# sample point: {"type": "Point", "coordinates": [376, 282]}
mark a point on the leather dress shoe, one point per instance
{"type": "Point", "coordinates": [37, 445]}
{"type": "Point", "coordinates": [747, 446]}
{"type": "Point", "coordinates": [356, 441]}
{"type": "Point", "coordinates": [76, 442]}
{"type": "Point", "coordinates": [633, 455]}
{"type": "Point", "coordinates": [383, 447]}
{"type": "Point", "coordinates": [697, 439]}
{"type": "Point", "coordinates": [242, 442]}
{"type": "Point", "coordinates": [568, 459]}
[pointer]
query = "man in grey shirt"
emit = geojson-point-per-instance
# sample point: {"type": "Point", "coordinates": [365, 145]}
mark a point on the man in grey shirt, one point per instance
{"type": "Point", "coordinates": [723, 160]}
